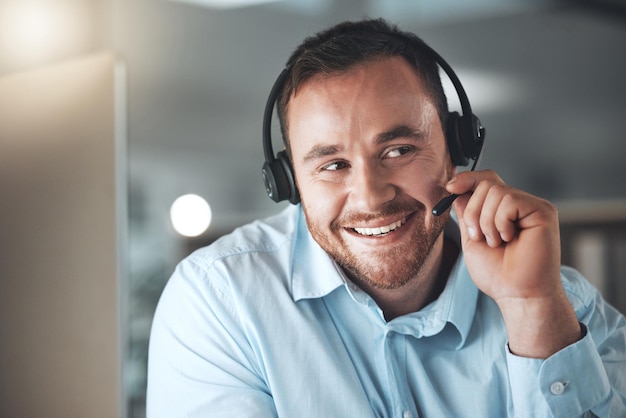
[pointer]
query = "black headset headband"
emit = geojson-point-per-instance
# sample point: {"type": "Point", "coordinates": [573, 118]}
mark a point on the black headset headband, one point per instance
{"type": "Point", "coordinates": [465, 136]}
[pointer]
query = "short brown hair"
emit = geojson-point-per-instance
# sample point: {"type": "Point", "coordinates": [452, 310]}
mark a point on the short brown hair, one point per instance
{"type": "Point", "coordinates": [349, 43]}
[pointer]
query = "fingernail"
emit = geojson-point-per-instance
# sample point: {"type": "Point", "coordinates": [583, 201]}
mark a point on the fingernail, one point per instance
{"type": "Point", "coordinates": [472, 232]}
{"type": "Point", "coordinates": [452, 180]}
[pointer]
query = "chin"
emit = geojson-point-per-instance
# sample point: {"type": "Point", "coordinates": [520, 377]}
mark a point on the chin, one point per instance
{"type": "Point", "coordinates": [389, 266]}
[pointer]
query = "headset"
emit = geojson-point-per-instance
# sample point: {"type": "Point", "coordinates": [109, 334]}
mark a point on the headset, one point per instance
{"type": "Point", "coordinates": [464, 133]}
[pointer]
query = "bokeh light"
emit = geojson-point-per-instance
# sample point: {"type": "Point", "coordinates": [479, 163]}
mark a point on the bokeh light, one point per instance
{"type": "Point", "coordinates": [190, 215]}
{"type": "Point", "coordinates": [35, 30]}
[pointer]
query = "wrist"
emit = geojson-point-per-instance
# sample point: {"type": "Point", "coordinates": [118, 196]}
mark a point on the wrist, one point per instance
{"type": "Point", "coordinates": [539, 327]}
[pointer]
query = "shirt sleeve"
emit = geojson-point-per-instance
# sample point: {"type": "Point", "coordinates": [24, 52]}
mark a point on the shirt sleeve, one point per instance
{"type": "Point", "coordinates": [587, 378]}
{"type": "Point", "coordinates": [200, 363]}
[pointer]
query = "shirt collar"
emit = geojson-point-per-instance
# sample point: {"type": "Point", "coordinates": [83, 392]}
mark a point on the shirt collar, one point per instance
{"type": "Point", "coordinates": [456, 305]}
{"type": "Point", "coordinates": [459, 305]}
{"type": "Point", "coordinates": [315, 275]}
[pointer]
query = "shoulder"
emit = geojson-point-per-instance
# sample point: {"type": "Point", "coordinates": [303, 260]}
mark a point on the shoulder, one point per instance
{"type": "Point", "coordinates": [262, 236]}
{"type": "Point", "coordinates": [254, 252]}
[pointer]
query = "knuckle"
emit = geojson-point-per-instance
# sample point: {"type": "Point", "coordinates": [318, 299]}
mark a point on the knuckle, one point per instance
{"type": "Point", "coordinates": [509, 197]}
{"type": "Point", "coordinates": [494, 176]}
{"type": "Point", "coordinates": [550, 209]}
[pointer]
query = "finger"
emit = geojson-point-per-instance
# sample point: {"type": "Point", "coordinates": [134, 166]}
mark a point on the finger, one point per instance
{"type": "Point", "coordinates": [507, 216]}
{"type": "Point", "coordinates": [500, 214]}
{"type": "Point", "coordinates": [525, 211]}
{"type": "Point", "coordinates": [467, 181]}
{"type": "Point", "coordinates": [471, 214]}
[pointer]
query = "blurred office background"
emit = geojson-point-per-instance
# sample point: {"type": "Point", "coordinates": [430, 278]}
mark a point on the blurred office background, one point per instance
{"type": "Point", "coordinates": [185, 92]}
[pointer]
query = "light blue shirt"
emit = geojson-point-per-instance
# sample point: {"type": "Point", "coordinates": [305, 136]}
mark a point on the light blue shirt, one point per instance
{"type": "Point", "coordinates": [263, 323]}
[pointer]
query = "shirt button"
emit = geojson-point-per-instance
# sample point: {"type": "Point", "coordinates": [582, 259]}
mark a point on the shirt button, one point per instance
{"type": "Point", "coordinates": [407, 414]}
{"type": "Point", "coordinates": [557, 388]}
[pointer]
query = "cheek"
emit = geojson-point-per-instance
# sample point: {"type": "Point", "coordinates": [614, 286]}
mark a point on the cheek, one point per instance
{"type": "Point", "coordinates": [317, 194]}
{"type": "Point", "coordinates": [426, 180]}
{"type": "Point", "coordinates": [323, 205]}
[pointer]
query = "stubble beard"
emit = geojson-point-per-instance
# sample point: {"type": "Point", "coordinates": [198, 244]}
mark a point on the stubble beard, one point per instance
{"type": "Point", "coordinates": [388, 268]}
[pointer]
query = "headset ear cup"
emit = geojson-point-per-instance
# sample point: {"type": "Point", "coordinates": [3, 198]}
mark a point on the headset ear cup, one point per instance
{"type": "Point", "coordinates": [472, 136]}
{"type": "Point", "coordinates": [279, 179]}
{"type": "Point", "coordinates": [274, 179]}
{"type": "Point", "coordinates": [454, 140]}
{"type": "Point", "coordinates": [290, 178]}
{"type": "Point", "coordinates": [277, 171]}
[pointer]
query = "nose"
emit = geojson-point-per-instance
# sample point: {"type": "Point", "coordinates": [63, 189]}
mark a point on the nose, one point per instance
{"type": "Point", "coordinates": [371, 188]}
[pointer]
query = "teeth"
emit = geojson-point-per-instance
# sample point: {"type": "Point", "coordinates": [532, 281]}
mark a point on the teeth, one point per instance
{"type": "Point", "coordinates": [381, 230]}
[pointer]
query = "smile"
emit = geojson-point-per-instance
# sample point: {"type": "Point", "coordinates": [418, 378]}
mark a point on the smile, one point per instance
{"type": "Point", "coordinates": [382, 230]}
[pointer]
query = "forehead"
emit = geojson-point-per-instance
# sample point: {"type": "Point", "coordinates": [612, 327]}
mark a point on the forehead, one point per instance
{"type": "Point", "coordinates": [387, 71]}
{"type": "Point", "coordinates": [383, 91]}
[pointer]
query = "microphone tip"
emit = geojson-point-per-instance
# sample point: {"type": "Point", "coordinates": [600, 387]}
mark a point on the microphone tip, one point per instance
{"type": "Point", "coordinates": [444, 204]}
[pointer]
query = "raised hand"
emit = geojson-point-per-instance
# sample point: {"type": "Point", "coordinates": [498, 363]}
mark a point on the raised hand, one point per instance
{"type": "Point", "coordinates": [511, 245]}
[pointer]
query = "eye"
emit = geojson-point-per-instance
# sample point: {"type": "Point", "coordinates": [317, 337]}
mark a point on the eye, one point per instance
{"type": "Point", "coordinates": [399, 151]}
{"type": "Point", "coordinates": [334, 166]}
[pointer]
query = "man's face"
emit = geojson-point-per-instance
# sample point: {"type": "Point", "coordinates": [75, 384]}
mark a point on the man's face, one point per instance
{"type": "Point", "coordinates": [371, 161]}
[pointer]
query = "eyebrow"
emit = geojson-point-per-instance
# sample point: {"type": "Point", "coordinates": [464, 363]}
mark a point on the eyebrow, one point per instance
{"type": "Point", "coordinates": [320, 151]}
{"type": "Point", "coordinates": [400, 131]}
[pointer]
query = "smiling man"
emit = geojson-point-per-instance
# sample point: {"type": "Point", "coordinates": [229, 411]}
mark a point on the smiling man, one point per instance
{"type": "Point", "coordinates": [358, 300]}
{"type": "Point", "coordinates": [371, 142]}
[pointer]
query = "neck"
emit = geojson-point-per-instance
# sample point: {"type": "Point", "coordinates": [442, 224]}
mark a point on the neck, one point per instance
{"type": "Point", "coordinates": [420, 290]}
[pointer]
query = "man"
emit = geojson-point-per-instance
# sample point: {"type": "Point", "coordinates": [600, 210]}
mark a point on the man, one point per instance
{"type": "Point", "coordinates": [359, 302]}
